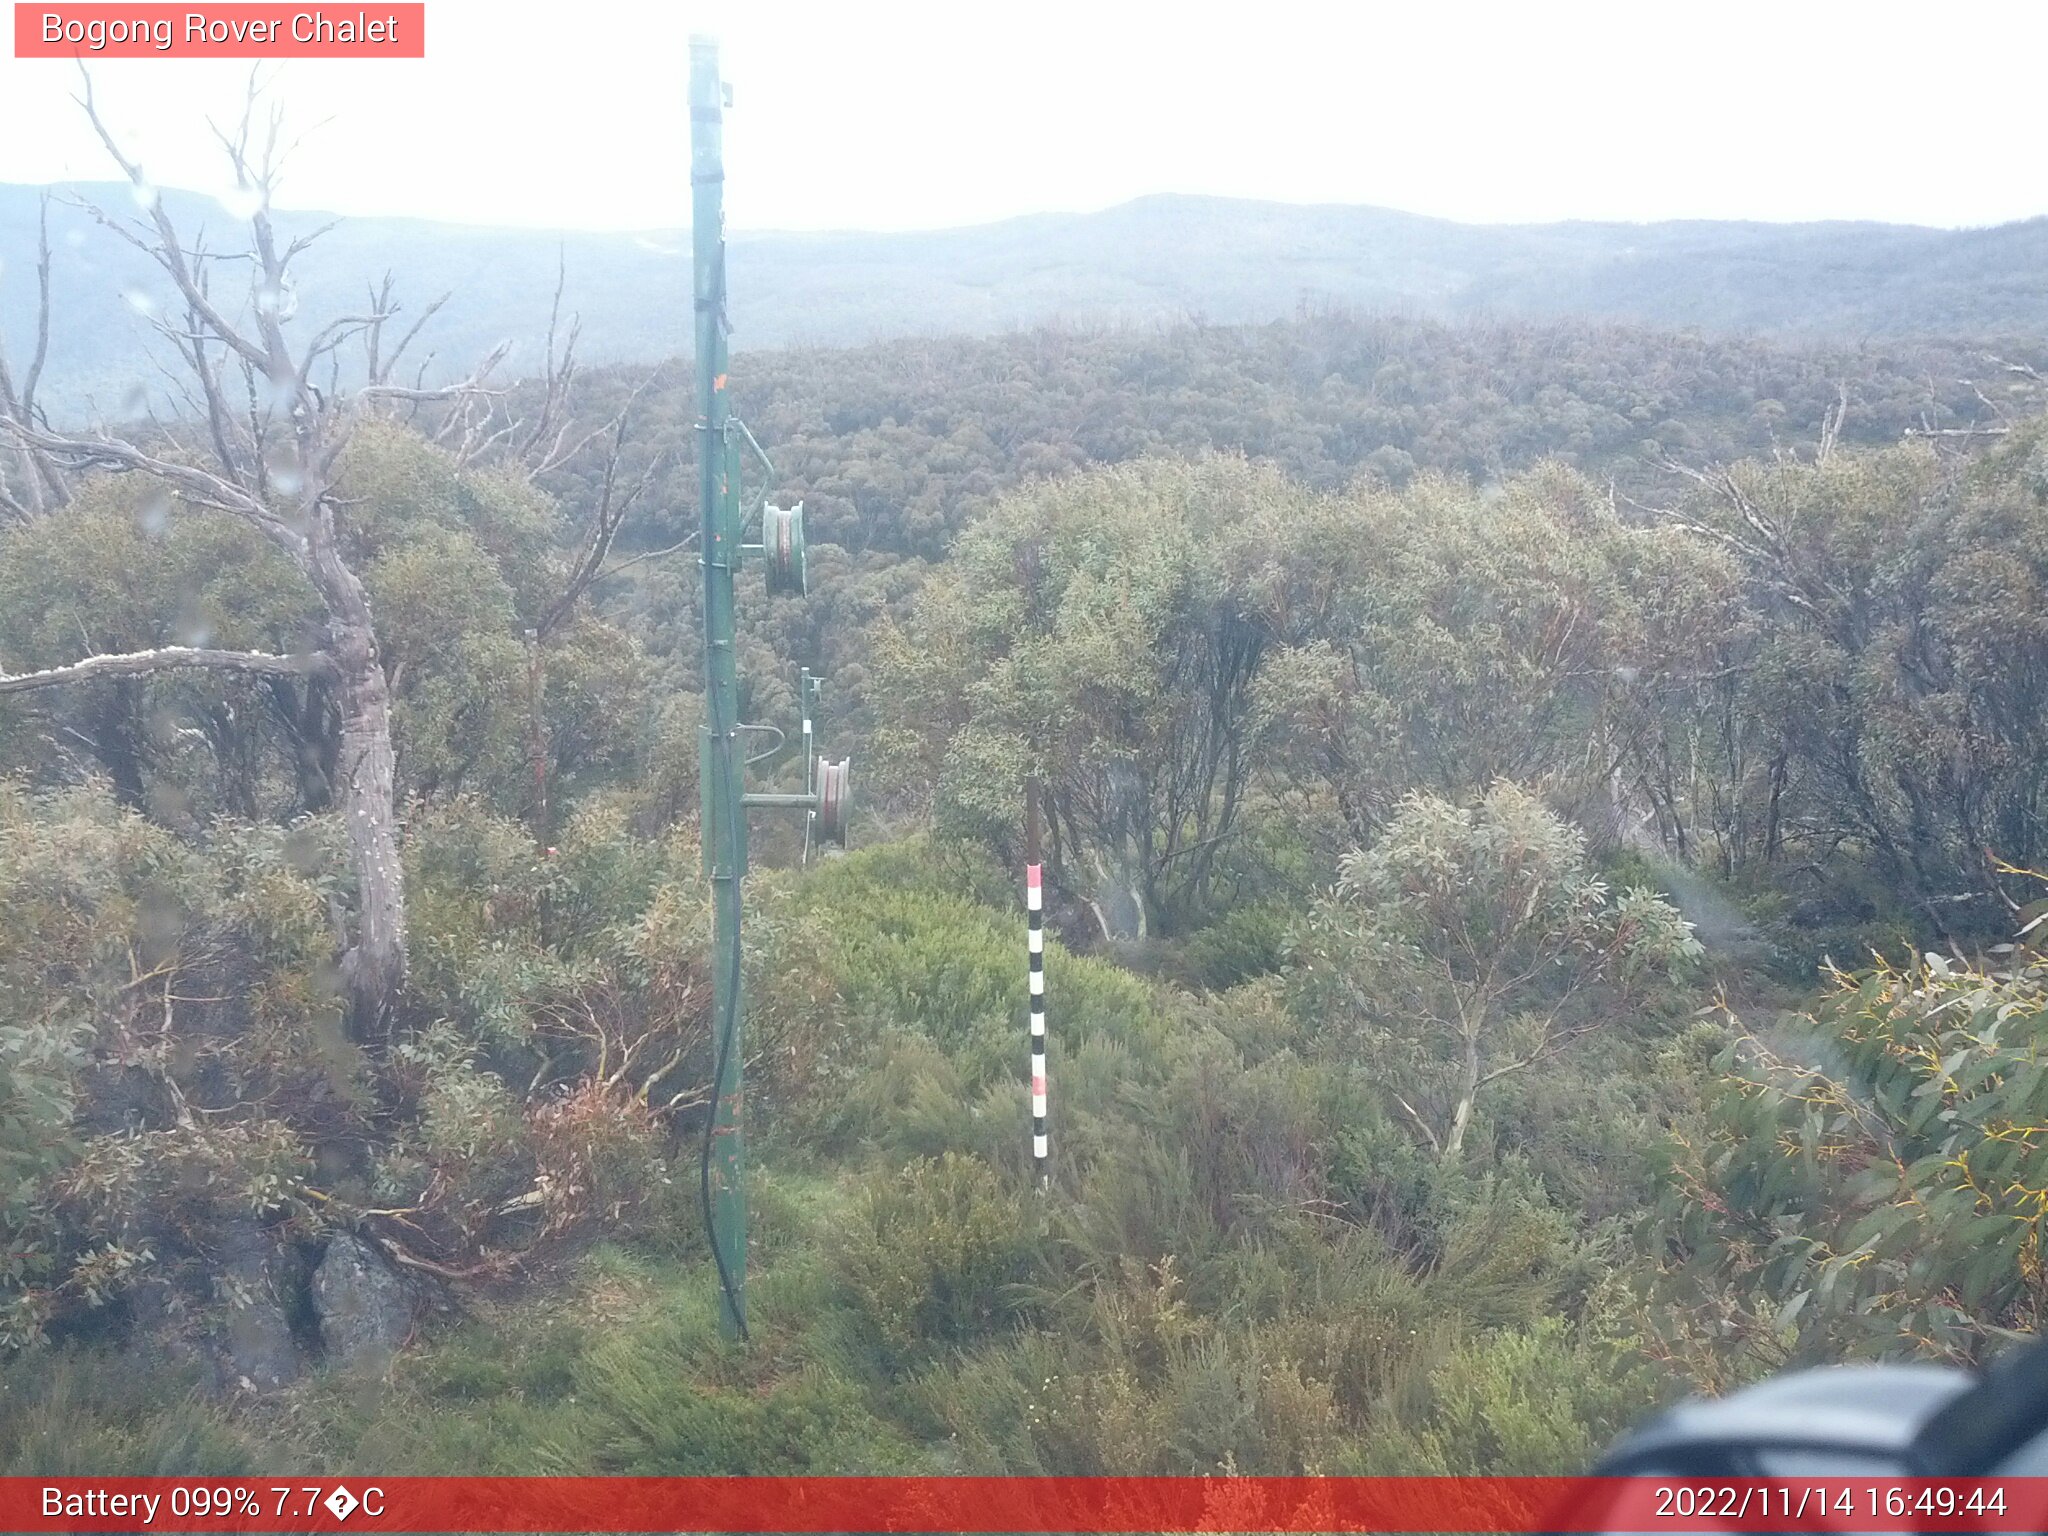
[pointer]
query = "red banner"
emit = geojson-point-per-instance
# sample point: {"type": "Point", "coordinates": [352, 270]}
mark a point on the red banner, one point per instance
{"type": "Point", "coordinates": [1020, 1504]}
{"type": "Point", "coordinates": [238, 31]}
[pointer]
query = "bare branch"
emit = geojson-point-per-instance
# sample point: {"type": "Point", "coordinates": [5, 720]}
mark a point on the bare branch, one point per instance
{"type": "Point", "coordinates": [648, 555]}
{"type": "Point", "coordinates": [170, 658]}
{"type": "Point", "coordinates": [556, 379]}
{"type": "Point", "coordinates": [605, 523]}
{"type": "Point", "coordinates": [193, 483]}
{"type": "Point", "coordinates": [218, 416]}
{"type": "Point", "coordinates": [562, 451]}
{"type": "Point", "coordinates": [379, 374]}
{"type": "Point", "coordinates": [1421, 1124]}
{"type": "Point", "coordinates": [471, 388]}
{"type": "Point", "coordinates": [305, 241]}
{"type": "Point", "coordinates": [43, 486]}
{"type": "Point", "coordinates": [35, 367]}
{"type": "Point", "coordinates": [1831, 424]}
{"type": "Point", "coordinates": [169, 253]}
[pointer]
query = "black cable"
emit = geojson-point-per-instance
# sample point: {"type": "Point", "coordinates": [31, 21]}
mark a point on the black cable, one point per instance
{"type": "Point", "coordinates": [711, 1125]}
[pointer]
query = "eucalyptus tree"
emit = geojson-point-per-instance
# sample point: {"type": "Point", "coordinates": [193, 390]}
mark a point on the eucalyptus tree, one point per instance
{"type": "Point", "coordinates": [1894, 673]}
{"type": "Point", "coordinates": [264, 418]}
{"type": "Point", "coordinates": [1095, 631]}
{"type": "Point", "coordinates": [1470, 943]}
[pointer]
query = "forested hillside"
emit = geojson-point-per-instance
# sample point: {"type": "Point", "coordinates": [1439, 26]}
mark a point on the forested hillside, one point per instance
{"type": "Point", "coordinates": [895, 448]}
{"type": "Point", "coordinates": [1156, 261]}
{"type": "Point", "coordinates": [1506, 783]}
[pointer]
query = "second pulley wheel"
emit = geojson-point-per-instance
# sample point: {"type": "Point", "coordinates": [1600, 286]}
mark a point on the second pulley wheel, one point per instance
{"type": "Point", "coordinates": [835, 800]}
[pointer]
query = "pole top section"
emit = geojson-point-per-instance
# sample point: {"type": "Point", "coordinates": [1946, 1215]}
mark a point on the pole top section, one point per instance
{"type": "Point", "coordinates": [1031, 818]}
{"type": "Point", "coordinates": [708, 94]}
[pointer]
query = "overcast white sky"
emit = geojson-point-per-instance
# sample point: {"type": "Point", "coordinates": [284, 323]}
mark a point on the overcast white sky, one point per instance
{"type": "Point", "coordinates": [899, 115]}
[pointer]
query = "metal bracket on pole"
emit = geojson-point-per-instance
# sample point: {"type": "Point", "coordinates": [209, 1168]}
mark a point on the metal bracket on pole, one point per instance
{"type": "Point", "coordinates": [760, 454]}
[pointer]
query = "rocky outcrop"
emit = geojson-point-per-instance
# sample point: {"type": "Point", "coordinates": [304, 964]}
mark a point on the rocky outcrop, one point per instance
{"type": "Point", "coordinates": [365, 1311]}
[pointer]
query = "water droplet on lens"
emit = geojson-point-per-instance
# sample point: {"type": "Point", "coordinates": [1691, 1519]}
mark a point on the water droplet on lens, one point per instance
{"type": "Point", "coordinates": [144, 194]}
{"type": "Point", "coordinates": [242, 202]}
{"type": "Point", "coordinates": [155, 514]}
{"type": "Point", "coordinates": [194, 628]}
{"type": "Point", "coordinates": [279, 299]}
{"type": "Point", "coordinates": [284, 474]}
{"type": "Point", "coordinates": [139, 301]}
{"type": "Point", "coordinates": [326, 981]}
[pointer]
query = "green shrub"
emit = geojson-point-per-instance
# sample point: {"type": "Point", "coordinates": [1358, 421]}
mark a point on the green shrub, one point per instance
{"type": "Point", "coordinates": [908, 1099]}
{"type": "Point", "coordinates": [1241, 945]}
{"type": "Point", "coordinates": [1500, 1253]}
{"type": "Point", "coordinates": [933, 1255]}
{"type": "Point", "coordinates": [1535, 1402]}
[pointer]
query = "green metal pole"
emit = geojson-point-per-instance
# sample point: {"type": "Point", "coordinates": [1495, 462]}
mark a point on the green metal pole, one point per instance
{"type": "Point", "coordinates": [724, 822]}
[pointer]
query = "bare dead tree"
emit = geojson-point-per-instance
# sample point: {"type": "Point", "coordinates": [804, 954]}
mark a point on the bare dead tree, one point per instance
{"type": "Point", "coordinates": [1831, 424]}
{"type": "Point", "coordinates": [541, 453]}
{"type": "Point", "coordinates": [41, 487]}
{"type": "Point", "coordinates": [543, 439]}
{"type": "Point", "coordinates": [616, 497]}
{"type": "Point", "coordinates": [260, 437]}
{"type": "Point", "coordinates": [537, 438]}
{"type": "Point", "coordinates": [2002, 421]}
{"type": "Point", "coordinates": [1752, 535]}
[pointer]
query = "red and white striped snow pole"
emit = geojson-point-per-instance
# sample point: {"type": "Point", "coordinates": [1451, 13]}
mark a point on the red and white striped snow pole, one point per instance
{"type": "Point", "coordinates": [1034, 907]}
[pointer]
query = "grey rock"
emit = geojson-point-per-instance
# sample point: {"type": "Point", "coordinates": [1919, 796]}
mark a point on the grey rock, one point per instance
{"type": "Point", "coordinates": [365, 1310]}
{"type": "Point", "coordinates": [253, 1332]}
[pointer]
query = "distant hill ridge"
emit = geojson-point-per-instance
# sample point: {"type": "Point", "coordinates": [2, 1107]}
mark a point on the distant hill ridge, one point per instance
{"type": "Point", "coordinates": [1158, 258]}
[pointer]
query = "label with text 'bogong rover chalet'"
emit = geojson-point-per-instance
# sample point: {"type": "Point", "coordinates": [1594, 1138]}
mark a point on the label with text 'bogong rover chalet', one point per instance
{"type": "Point", "coordinates": [238, 31]}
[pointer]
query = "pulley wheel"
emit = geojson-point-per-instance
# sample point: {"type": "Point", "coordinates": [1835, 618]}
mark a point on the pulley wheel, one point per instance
{"type": "Point", "coordinates": [782, 542]}
{"type": "Point", "coordinates": [835, 800]}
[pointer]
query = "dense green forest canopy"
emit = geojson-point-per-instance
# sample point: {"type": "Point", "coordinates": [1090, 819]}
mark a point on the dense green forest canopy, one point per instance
{"type": "Point", "coordinates": [896, 446]}
{"type": "Point", "coordinates": [896, 449]}
{"type": "Point", "coordinates": [1506, 785]}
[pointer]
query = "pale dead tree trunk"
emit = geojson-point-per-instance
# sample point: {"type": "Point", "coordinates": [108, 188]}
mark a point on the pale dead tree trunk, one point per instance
{"type": "Point", "coordinates": [373, 968]}
{"type": "Point", "coordinates": [266, 452]}
{"type": "Point", "coordinates": [1479, 1019]}
{"type": "Point", "coordinates": [1468, 1095]}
